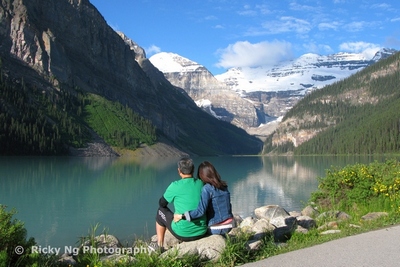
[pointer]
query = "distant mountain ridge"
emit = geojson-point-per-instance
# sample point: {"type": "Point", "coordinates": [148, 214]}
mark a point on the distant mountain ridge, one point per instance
{"type": "Point", "coordinates": [358, 115]}
{"type": "Point", "coordinates": [309, 71]}
{"type": "Point", "coordinates": [268, 92]}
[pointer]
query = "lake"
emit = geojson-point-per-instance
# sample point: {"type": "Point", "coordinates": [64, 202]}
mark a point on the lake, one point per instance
{"type": "Point", "coordinates": [60, 198]}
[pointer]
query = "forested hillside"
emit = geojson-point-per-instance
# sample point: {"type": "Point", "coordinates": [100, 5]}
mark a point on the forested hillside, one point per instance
{"type": "Point", "coordinates": [39, 122]}
{"type": "Point", "coordinates": [359, 115]}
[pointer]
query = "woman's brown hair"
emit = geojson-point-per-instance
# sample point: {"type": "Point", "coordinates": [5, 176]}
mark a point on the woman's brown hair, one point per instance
{"type": "Point", "coordinates": [209, 175]}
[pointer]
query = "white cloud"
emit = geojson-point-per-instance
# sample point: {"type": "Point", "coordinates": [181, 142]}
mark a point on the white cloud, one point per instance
{"type": "Point", "coordinates": [305, 8]}
{"type": "Point", "coordinates": [263, 9]}
{"type": "Point", "coordinates": [356, 26]}
{"type": "Point", "coordinates": [219, 26]}
{"type": "Point", "coordinates": [323, 26]}
{"type": "Point", "coordinates": [247, 11]}
{"type": "Point", "coordinates": [367, 49]}
{"type": "Point", "coordinates": [381, 5]}
{"type": "Point", "coordinates": [153, 49]}
{"type": "Point", "coordinates": [287, 24]}
{"type": "Point", "coordinates": [246, 54]}
{"type": "Point", "coordinates": [318, 48]}
{"type": "Point", "coordinates": [211, 17]}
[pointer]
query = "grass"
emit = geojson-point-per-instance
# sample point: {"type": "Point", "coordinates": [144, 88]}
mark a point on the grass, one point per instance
{"type": "Point", "coordinates": [118, 125]}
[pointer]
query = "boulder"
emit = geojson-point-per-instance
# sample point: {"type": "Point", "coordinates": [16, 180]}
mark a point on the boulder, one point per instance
{"type": "Point", "coordinates": [271, 211]}
{"type": "Point", "coordinates": [237, 220]}
{"type": "Point", "coordinates": [169, 240]}
{"type": "Point", "coordinates": [335, 215]}
{"type": "Point", "coordinates": [373, 216]}
{"type": "Point", "coordinates": [209, 248]}
{"type": "Point", "coordinates": [261, 228]}
{"type": "Point", "coordinates": [309, 211]}
{"type": "Point", "coordinates": [306, 222]}
{"type": "Point", "coordinates": [247, 224]}
{"type": "Point", "coordinates": [253, 244]}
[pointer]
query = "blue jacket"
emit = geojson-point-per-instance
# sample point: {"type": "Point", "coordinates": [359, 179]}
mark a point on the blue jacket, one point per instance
{"type": "Point", "coordinates": [215, 203]}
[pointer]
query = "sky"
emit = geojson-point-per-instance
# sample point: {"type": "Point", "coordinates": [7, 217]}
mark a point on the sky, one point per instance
{"type": "Point", "coordinates": [221, 34]}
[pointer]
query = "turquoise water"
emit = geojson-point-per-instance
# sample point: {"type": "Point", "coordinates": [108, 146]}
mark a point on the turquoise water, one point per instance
{"type": "Point", "coordinates": [60, 198]}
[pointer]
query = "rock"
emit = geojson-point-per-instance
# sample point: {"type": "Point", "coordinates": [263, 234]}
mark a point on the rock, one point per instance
{"type": "Point", "coordinates": [310, 211]}
{"type": "Point", "coordinates": [295, 213]}
{"type": "Point", "coordinates": [235, 231]}
{"type": "Point", "coordinates": [328, 225]}
{"type": "Point", "coordinates": [247, 222]}
{"type": "Point", "coordinates": [169, 240]}
{"type": "Point", "coordinates": [261, 228]}
{"type": "Point", "coordinates": [284, 224]}
{"type": "Point", "coordinates": [306, 222]}
{"type": "Point", "coordinates": [335, 215]}
{"type": "Point", "coordinates": [328, 232]}
{"type": "Point", "coordinates": [209, 248]}
{"type": "Point", "coordinates": [253, 244]}
{"type": "Point", "coordinates": [301, 229]}
{"type": "Point", "coordinates": [270, 212]}
{"type": "Point", "coordinates": [343, 216]}
{"type": "Point", "coordinates": [66, 259]}
{"type": "Point", "coordinates": [373, 216]}
{"type": "Point", "coordinates": [237, 219]}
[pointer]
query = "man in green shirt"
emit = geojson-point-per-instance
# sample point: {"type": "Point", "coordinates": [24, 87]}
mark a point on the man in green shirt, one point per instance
{"type": "Point", "coordinates": [185, 195]}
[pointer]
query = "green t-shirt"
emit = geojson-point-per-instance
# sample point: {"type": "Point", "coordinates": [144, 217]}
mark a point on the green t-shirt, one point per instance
{"type": "Point", "coordinates": [185, 195]}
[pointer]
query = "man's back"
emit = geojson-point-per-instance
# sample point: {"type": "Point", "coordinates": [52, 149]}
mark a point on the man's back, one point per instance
{"type": "Point", "coordinates": [185, 195]}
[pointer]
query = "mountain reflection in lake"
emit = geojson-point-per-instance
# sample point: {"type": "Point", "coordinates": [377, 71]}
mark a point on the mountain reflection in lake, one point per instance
{"type": "Point", "coordinates": [60, 198]}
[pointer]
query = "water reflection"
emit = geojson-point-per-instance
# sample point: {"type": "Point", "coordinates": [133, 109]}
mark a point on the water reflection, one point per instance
{"type": "Point", "coordinates": [59, 199]}
{"type": "Point", "coordinates": [281, 181]}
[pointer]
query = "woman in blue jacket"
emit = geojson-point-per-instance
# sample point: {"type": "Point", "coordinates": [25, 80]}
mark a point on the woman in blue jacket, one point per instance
{"type": "Point", "coordinates": [215, 202]}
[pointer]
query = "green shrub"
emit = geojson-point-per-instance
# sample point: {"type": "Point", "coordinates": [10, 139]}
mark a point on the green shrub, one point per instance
{"type": "Point", "coordinates": [15, 249]}
{"type": "Point", "coordinates": [361, 185]}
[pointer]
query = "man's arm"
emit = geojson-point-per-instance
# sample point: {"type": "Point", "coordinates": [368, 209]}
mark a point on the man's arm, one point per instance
{"type": "Point", "coordinates": [163, 202]}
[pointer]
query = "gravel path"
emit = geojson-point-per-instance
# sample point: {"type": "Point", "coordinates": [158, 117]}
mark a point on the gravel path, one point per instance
{"type": "Point", "coordinates": [376, 248]}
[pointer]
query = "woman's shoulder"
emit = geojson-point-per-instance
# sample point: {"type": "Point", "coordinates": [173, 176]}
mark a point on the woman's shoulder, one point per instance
{"type": "Point", "coordinates": [210, 187]}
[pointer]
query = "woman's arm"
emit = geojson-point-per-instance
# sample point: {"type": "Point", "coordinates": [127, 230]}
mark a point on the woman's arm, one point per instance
{"type": "Point", "coordinates": [202, 206]}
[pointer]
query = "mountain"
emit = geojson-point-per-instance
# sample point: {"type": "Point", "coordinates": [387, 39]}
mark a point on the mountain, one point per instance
{"type": "Point", "coordinates": [62, 49]}
{"type": "Point", "coordinates": [358, 115]}
{"type": "Point", "coordinates": [267, 92]}
{"type": "Point", "coordinates": [208, 93]}
{"type": "Point", "coordinates": [308, 72]}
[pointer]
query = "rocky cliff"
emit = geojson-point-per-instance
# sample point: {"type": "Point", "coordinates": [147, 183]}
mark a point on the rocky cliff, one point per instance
{"type": "Point", "coordinates": [210, 94]}
{"type": "Point", "coordinates": [67, 45]}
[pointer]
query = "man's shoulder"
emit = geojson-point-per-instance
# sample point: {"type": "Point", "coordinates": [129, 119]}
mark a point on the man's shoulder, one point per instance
{"type": "Point", "coordinates": [187, 180]}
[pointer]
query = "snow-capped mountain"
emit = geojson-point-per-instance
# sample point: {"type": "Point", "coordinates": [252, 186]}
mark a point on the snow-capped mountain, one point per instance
{"type": "Point", "coordinates": [310, 71]}
{"type": "Point", "coordinates": [211, 95]}
{"type": "Point", "coordinates": [251, 98]}
{"type": "Point", "coordinates": [171, 62]}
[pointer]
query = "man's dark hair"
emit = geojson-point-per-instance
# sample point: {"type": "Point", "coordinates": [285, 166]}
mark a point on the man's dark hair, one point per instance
{"type": "Point", "coordinates": [186, 165]}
